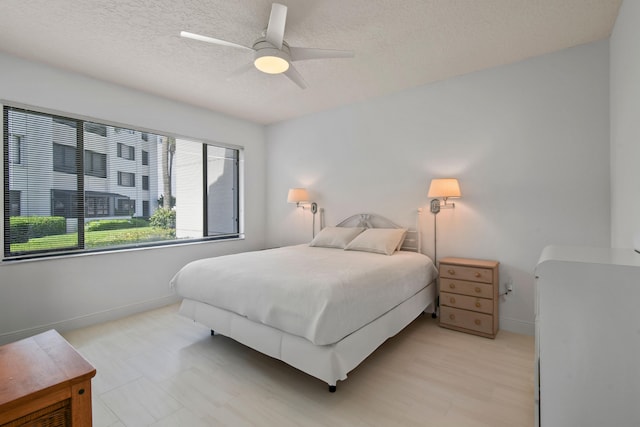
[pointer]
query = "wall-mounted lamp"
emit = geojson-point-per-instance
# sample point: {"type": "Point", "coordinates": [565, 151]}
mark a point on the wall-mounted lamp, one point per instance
{"type": "Point", "coordinates": [300, 197]}
{"type": "Point", "coordinates": [441, 188]}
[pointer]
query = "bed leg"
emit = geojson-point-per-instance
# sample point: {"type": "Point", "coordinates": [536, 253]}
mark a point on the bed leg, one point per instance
{"type": "Point", "coordinates": [434, 315]}
{"type": "Point", "coordinates": [332, 388]}
{"type": "Point", "coordinates": [213, 332]}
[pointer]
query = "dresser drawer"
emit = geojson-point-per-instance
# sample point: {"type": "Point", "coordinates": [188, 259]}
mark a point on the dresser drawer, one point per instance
{"type": "Point", "coordinates": [466, 319]}
{"type": "Point", "coordinates": [475, 274]}
{"type": "Point", "coordinates": [481, 305]}
{"type": "Point", "coordinates": [466, 288]}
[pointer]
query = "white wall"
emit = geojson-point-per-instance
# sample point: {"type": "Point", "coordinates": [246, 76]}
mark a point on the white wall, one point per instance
{"type": "Point", "coordinates": [529, 143]}
{"type": "Point", "coordinates": [625, 126]}
{"type": "Point", "coordinates": [75, 291]}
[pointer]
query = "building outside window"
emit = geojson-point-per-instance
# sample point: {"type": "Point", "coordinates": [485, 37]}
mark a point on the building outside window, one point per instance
{"type": "Point", "coordinates": [191, 189]}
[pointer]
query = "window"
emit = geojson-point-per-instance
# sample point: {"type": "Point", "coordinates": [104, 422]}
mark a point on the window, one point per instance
{"type": "Point", "coordinates": [96, 205]}
{"type": "Point", "coordinates": [14, 203]}
{"type": "Point", "coordinates": [145, 209]}
{"type": "Point", "coordinates": [64, 158]}
{"type": "Point", "coordinates": [70, 123]}
{"type": "Point", "coordinates": [96, 129]}
{"type": "Point", "coordinates": [221, 209]}
{"type": "Point", "coordinates": [126, 207]}
{"type": "Point", "coordinates": [64, 203]}
{"type": "Point", "coordinates": [95, 164]}
{"type": "Point", "coordinates": [144, 136]}
{"type": "Point", "coordinates": [15, 149]}
{"type": "Point", "coordinates": [126, 151]}
{"type": "Point", "coordinates": [126, 179]}
{"type": "Point", "coordinates": [189, 190]}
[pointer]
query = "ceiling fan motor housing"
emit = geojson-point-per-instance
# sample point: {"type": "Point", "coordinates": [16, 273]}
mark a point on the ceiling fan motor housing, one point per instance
{"type": "Point", "coordinates": [269, 59]}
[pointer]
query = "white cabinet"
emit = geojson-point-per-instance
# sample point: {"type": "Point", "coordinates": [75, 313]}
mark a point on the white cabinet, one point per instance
{"type": "Point", "coordinates": [588, 337]}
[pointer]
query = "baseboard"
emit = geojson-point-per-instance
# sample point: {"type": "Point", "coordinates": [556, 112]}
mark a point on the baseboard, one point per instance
{"type": "Point", "coordinates": [518, 326]}
{"type": "Point", "coordinates": [90, 319]}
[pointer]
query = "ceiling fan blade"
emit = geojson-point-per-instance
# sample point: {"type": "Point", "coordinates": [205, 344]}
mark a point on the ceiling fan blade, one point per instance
{"type": "Point", "coordinates": [304, 53]}
{"type": "Point", "coordinates": [295, 77]}
{"type": "Point", "coordinates": [277, 21]}
{"type": "Point", "coordinates": [193, 36]}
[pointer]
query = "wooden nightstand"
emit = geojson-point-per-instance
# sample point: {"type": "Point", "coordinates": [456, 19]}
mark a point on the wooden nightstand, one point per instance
{"type": "Point", "coordinates": [44, 382]}
{"type": "Point", "coordinates": [469, 295]}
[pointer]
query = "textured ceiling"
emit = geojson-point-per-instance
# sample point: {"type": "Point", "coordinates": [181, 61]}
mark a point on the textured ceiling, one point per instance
{"type": "Point", "coordinates": [398, 44]}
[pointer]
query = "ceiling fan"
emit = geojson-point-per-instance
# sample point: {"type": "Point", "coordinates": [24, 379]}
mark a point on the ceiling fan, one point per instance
{"type": "Point", "coordinates": [272, 54]}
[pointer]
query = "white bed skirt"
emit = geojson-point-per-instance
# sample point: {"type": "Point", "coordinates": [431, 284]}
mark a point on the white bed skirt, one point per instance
{"type": "Point", "coordinates": [329, 363]}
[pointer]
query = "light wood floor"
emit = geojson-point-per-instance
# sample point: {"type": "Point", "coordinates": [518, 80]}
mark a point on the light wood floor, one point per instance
{"type": "Point", "coordinates": [160, 369]}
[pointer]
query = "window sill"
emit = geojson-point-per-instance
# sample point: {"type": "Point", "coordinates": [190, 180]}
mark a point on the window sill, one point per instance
{"type": "Point", "coordinates": [68, 255]}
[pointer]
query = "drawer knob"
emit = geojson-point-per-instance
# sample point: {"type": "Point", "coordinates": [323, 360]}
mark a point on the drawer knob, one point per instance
{"type": "Point", "coordinates": [452, 316]}
{"type": "Point", "coordinates": [478, 289]}
{"type": "Point", "coordinates": [477, 322]}
{"type": "Point", "coordinates": [452, 300]}
{"type": "Point", "coordinates": [451, 271]}
{"type": "Point", "coordinates": [477, 274]}
{"type": "Point", "coordinates": [452, 285]}
{"type": "Point", "coordinates": [478, 304]}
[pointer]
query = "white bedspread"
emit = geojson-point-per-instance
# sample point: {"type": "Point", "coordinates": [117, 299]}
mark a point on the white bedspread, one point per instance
{"type": "Point", "coordinates": [320, 294]}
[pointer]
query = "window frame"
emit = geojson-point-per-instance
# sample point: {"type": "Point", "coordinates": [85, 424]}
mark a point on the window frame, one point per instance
{"type": "Point", "coordinates": [15, 139]}
{"type": "Point", "coordinates": [89, 163]}
{"type": "Point", "coordinates": [96, 206]}
{"type": "Point", "coordinates": [130, 151]}
{"type": "Point", "coordinates": [15, 197]}
{"type": "Point", "coordinates": [68, 152]}
{"type": "Point", "coordinates": [131, 181]}
{"type": "Point", "coordinates": [79, 198]}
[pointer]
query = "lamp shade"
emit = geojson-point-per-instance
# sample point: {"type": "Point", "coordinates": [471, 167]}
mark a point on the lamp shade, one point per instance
{"type": "Point", "coordinates": [444, 187]}
{"type": "Point", "coordinates": [297, 195]}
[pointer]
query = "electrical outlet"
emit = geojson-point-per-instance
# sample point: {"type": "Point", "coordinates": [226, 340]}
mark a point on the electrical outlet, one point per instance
{"type": "Point", "coordinates": [510, 287]}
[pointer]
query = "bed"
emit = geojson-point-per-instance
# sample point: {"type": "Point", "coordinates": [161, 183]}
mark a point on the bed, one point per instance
{"type": "Point", "coordinates": [321, 307]}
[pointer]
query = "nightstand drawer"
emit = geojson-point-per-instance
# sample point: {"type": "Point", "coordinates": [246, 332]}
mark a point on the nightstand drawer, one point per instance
{"type": "Point", "coordinates": [466, 319]}
{"type": "Point", "coordinates": [482, 305]}
{"type": "Point", "coordinates": [474, 274]}
{"type": "Point", "coordinates": [466, 288]}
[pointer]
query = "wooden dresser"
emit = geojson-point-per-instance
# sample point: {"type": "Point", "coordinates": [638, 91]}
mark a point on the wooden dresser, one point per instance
{"type": "Point", "coordinates": [469, 295]}
{"type": "Point", "coordinates": [44, 382]}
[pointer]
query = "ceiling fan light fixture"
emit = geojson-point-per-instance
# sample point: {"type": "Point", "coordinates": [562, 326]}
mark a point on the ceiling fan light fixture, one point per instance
{"type": "Point", "coordinates": [271, 61]}
{"type": "Point", "coordinates": [272, 54]}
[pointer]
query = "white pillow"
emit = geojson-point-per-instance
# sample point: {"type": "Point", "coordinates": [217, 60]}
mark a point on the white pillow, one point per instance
{"type": "Point", "coordinates": [335, 237]}
{"type": "Point", "coordinates": [378, 240]}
